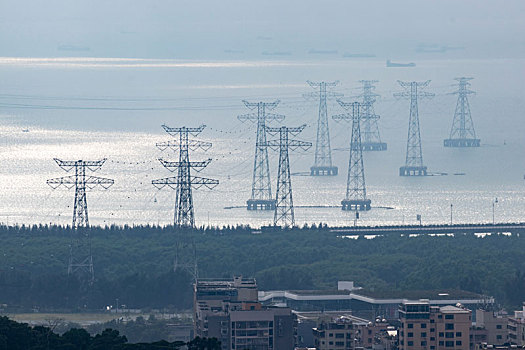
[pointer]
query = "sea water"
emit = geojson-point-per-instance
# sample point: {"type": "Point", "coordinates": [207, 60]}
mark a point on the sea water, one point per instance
{"type": "Point", "coordinates": [82, 108]}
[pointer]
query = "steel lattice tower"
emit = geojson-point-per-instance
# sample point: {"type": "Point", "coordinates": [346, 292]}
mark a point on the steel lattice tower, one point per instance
{"type": "Point", "coordinates": [414, 157]}
{"type": "Point", "coordinates": [184, 181]}
{"type": "Point", "coordinates": [323, 153]}
{"type": "Point", "coordinates": [371, 140]}
{"type": "Point", "coordinates": [355, 185]}
{"type": "Point", "coordinates": [80, 257]}
{"type": "Point", "coordinates": [462, 133]}
{"type": "Point", "coordinates": [261, 198]}
{"type": "Point", "coordinates": [284, 210]}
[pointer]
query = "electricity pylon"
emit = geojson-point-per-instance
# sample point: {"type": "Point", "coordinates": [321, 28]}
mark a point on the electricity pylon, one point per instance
{"type": "Point", "coordinates": [284, 210]}
{"type": "Point", "coordinates": [184, 181]}
{"type": "Point", "coordinates": [414, 157]}
{"type": "Point", "coordinates": [323, 153]}
{"type": "Point", "coordinates": [462, 133]}
{"type": "Point", "coordinates": [80, 257]}
{"type": "Point", "coordinates": [261, 198]}
{"type": "Point", "coordinates": [371, 140]}
{"type": "Point", "coordinates": [355, 198]}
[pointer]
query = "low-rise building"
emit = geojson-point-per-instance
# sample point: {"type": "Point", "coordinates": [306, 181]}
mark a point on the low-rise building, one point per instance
{"type": "Point", "coordinates": [495, 325]}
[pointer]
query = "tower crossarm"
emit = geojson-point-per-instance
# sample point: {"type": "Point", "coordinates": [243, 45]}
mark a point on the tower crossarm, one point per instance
{"type": "Point", "coordinates": [192, 145]}
{"type": "Point", "coordinates": [174, 182]}
{"type": "Point", "coordinates": [71, 181]}
{"type": "Point", "coordinates": [92, 165]}
{"type": "Point", "coordinates": [253, 117]}
{"type": "Point", "coordinates": [172, 166]}
{"type": "Point", "coordinates": [267, 105]}
{"type": "Point", "coordinates": [293, 131]}
{"type": "Point", "coordinates": [177, 131]}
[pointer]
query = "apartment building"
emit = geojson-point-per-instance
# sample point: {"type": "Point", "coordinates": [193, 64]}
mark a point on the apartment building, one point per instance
{"type": "Point", "coordinates": [230, 311]}
{"type": "Point", "coordinates": [516, 328]}
{"type": "Point", "coordinates": [426, 327]}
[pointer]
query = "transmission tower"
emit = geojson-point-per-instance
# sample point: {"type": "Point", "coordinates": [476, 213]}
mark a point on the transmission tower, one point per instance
{"type": "Point", "coordinates": [284, 211]}
{"type": "Point", "coordinates": [414, 157]}
{"type": "Point", "coordinates": [80, 257]}
{"type": "Point", "coordinates": [371, 140]}
{"type": "Point", "coordinates": [323, 154]}
{"type": "Point", "coordinates": [261, 198]}
{"type": "Point", "coordinates": [184, 181]}
{"type": "Point", "coordinates": [462, 133]}
{"type": "Point", "coordinates": [355, 185]}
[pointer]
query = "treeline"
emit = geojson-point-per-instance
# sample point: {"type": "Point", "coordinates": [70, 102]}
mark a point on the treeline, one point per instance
{"type": "Point", "coordinates": [134, 264]}
{"type": "Point", "coordinates": [20, 336]}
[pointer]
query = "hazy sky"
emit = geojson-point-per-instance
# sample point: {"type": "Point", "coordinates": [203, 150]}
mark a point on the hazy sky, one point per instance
{"type": "Point", "coordinates": [246, 29]}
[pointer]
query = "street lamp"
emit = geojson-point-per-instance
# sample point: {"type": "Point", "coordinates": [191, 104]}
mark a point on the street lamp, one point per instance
{"type": "Point", "coordinates": [450, 214]}
{"type": "Point", "coordinates": [493, 210]}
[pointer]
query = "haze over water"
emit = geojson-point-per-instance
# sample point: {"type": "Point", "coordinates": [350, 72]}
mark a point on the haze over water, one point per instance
{"type": "Point", "coordinates": [94, 107]}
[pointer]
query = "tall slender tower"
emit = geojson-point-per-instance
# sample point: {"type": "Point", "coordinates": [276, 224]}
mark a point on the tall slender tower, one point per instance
{"type": "Point", "coordinates": [261, 198]}
{"type": "Point", "coordinates": [462, 133]}
{"type": "Point", "coordinates": [80, 257]}
{"type": "Point", "coordinates": [184, 181]}
{"type": "Point", "coordinates": [323, 153]}
{"type": "Point", "coordinates": [284, 210]}
{"type": "Point", "coordinates": [414, 157]}
{"type": "Point", "coordinates": [371, 140]}
{"type": "Point", "coordinates": [355, 198]}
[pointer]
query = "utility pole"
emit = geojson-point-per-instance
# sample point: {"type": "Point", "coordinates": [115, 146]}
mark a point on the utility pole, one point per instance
{"type": "Point", "coordinates": [323, 153]}
{"type": "Point", "coordinates": [414, 157]}
{"type": "Point", "coordinates": [184, 181]}
{"type": "Point", "coordinates": [284, 210]}
{"type": "Point", "coordinates": [369, 120]}
{"type": "Point", "coordinates": [355, 198]}
{"type": "Point", "coordinates": [261, 198]}
{"type": "Point", "coordinates": [462, 133]}
{"type": "Point", "coordinates": [80, 257]}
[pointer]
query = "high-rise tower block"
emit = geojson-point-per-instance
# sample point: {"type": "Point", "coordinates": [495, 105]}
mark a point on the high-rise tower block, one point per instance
{"type": "Point", "coordinates": [355, 198]}
{"type": "Point", "coordinates": [284, 210]}
{"type": "Point", "coordinates": [462, 133]}
{"type": "Point", "coordinates": [371, 139]}
{"type": "Point", "coordinates": [261, 198]}
{"type": "Point", "coordinates": [323, 154]}
{"type": "Point", "coordinates": [184, 181]}
{"type": "Point", "coordinates": [414, 157]}
{"type": "Point", "coordinates": [80, 257]}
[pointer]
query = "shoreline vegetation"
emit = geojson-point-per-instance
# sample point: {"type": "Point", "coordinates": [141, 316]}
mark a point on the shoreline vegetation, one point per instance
{"type": "Point", "coordinates": [134, 264]}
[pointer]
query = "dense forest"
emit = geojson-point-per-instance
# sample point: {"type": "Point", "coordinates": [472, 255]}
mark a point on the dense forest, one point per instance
{"type": "Point", "coordinates": [135, 264]}
{"type": "Point", "coordinates": [20, 336]}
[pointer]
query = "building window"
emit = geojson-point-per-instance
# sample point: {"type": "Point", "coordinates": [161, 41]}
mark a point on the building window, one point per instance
{"type": "Point", "coordinates": [458, 334]}
{"type": "Point", "coordinates": [424, 343]}
{"type": "Point", "coordinates": [458, 342]}
{"type": "Point", "coordinates": [432, 329]}
{"type": "Point", "coordinates": [423, 334]}
{"type": "Point", "coordinates": [449, 317]}
{"type": "Point", "coordinates": [339, 335]}
{"type": "Point", "coordinates": [432, 347]}
{"type": "Point", "coordinates": [410, 343]}
{"type": "Point", "coordinates": [432, 339]}
{"type": "Point", "coordinates": [410, 334]}
{"type": "Point", "coordinates": [449, 344]}
{"type": "Point", "coordinates": [330, 334]}
{"type": "Point", "coordinates": [449, 335]}
{"type": "Point", "coordinates": [441, 343]}
{"type": "Point", "coordinates": [440, 316]}
{"type": "Point", "coordinates": [441, 334]}
{"type": "Point", "coordinates": [410, 325]}
{"type": "Point", "coordinates": [339, 343]}
{"type": "Point", "coordinates": [498, 326]}
{"type": "Point", "coordinates": [432, 321]}
{"type": "Point", "coordinates": [499, 337]}
{"type": "Point", "coordinates": [423, 325]}
{"type": "Point", "coordinates": [449, 326]}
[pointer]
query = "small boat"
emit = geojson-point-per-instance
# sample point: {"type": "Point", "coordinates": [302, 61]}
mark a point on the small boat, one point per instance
{"type": "Point", "coordinates": [396, 64]}
{"type": "Point", "coordinates": [25, 130]}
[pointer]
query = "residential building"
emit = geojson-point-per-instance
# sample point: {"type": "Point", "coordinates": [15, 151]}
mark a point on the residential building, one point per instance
{"type": "Point", "coordinates": [516, 327]}
{"type": "Point", "coordinates": [427, 327]}
{"type": "Point", "coordinates": [495, 325]}
{"type": "Point", "coordinates": [230, 311]}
